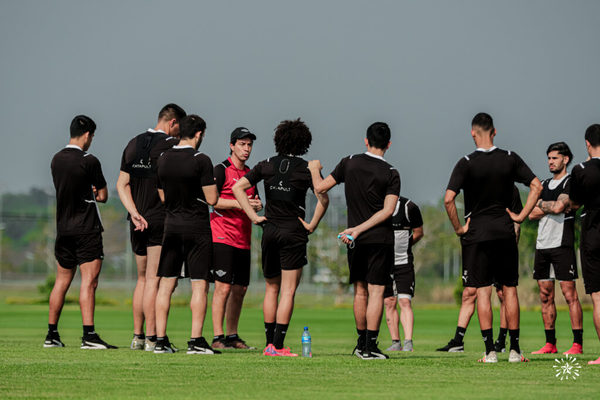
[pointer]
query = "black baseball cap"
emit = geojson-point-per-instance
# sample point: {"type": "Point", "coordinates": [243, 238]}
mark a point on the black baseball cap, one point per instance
{"type": "Point", "coordinates": [241, 133]}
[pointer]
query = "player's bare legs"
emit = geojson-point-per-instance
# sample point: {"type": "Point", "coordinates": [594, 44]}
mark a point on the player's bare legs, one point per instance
{"type": "Point", "coordinates": [163, 304]}
{"type": "Point", "coordinates": [64, 277]}
{"type": "Point", "coordinates": [391, 317]}
{"type": "Point", "coordinates": [361, 296]}
{"type": "Point", "coordinates": [484, 307]}
{"type": "Point", "coordinates": [234, 308]}
{"type": "Point", "coordinates": [406, 317]}
{"type": "Point", "coordinates": [596, 311]}
{"type": "Point", "coordinates": [570, 292]}
{"type": "Point", "coordinates": [87, 292]}
{"type": "Point", "coordinates": [198, 306]}
{"type": "Point", "coordinates": [219, 301]}
{"type": "Point", "coordinates": [270, 301]}
{"type": "Point", "coordinates": [467, 309]}
{"type": "Point", "coordinates": [151, 289]}
{"type": "Point", "coordinates": [137, 301]}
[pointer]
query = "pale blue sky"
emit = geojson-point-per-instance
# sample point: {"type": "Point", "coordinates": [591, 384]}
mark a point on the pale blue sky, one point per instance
{"type": "Point", "coordinates": [425, 67]}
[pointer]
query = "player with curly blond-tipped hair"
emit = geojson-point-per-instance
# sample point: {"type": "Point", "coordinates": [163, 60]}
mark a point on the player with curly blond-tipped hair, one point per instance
{"type": "Point", "coordinates": [286, 180]}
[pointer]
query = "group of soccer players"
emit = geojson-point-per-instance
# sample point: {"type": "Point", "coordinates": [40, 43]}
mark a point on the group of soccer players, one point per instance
{"type": "Point", "coordinates": [189, 218]}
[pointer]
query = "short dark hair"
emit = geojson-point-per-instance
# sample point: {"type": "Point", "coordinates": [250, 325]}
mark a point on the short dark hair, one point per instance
{"type": "Point", "coordinates": [483, 121]}
{"type": "Point", "coordinates": [562, 148]}
{"type": "Point", "coordinates": [171, 111]}
{"type": "Point", "coordinates": [292, 137]}
{"type": "Point", "coordinates": [189, 125]}
{"type": "Point", "coordinates": [82, 124]}
{"type": "Point", "coordinates": [379, 135]}
{"type": "Point", "coordinates": [592, 135]}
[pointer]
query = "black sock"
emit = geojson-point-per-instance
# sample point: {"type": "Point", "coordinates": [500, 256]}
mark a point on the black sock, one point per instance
{"type": "Point", "coordinates": [395, 341]}
{"type": "Point", "coordinates": [269, 332]}
{"type": "Point", "coordinates": [88, 329]}
{"type": "Point", "coordinates": [232, 336]}
{"type": "Point", "coordinates": [362, 339]}
{"type": "Point", "coordinates": [53, 328]}
{"type": "Point", "coordinates": [160, 339]}
{"type": "Point", "coordinates": [372, 339]}
{"type": "Point", "coordinates": [279, 337]}
{"type": "Point", "coordinates": [151, 338]}
{"type": "Point", "coordinates": [218, 338]}
{"type": "Point", "coordinates": [488, 339]}
{"type": "Point", "coordinates": [460, 334]}
{"type": "Point", "coordinates": [514, 340]}
{"type": "Point", "coordinates": [578, 336]}
{"type": "Point", "coordinates": [550, 336]}
{"type": "Point", "coordinates": [140, 336]}
{"type": "Point", "coordinates": [502, 335]}
{"type": "Point", "coordinates": [194, 339]}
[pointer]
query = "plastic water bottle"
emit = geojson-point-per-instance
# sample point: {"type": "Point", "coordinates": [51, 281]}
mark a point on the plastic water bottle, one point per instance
{"type": "Point", "coordinates": [306, 343]}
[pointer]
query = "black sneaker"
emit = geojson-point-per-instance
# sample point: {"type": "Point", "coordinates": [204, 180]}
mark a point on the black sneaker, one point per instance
{"type": "Point", "coordinates": [164, 346]}
{"type": "Point", "coordinates": [499, 347]}
{"type": "Point", "coordinates": [360, 346]}
{"type": "Point", "coordinates": [453, 347]}
{"type": "Point", "coordinates": [373, 352]}
{"type": "Point", "coordinates": [93, 342]}
{"type": "Point", "coordinates": [53, 340]}
{"type": "Point", "coordinates": [200, 346]}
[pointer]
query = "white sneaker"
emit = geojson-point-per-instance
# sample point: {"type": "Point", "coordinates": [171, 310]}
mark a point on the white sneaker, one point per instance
{"type": "Point", "coordinates": [395, 347]}
{"type": "Point", "coordinates": [489, 357]}
{"type": "Point", "coordinates": [149, 345]}
{"type": "Point", "coordinates": [137, 343]}
{"type": "Point", "coordinates": [515, 357]}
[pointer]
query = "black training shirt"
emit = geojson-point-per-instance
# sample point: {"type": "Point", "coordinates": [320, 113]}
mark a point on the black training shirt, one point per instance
{"type": "Point", "coordinates": [74, 172]}
{"type": "Point", "coordinates": [406, 217]}
{"type": "Point", "coordinates": [487, 179]}
{"type": "Point", "coordinates": [286, 181]}
{"type": "Point", "coordinates": [182, 172]}
{"type": "Point", "coordinates": [143, 188]}
{"type": "Point", "coordinates": [368, 180]}
{"type": "Point", "coordinates": [585, 190]}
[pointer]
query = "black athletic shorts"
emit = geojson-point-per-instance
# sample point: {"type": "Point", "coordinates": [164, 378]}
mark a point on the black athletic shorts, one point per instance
{"type": "Point", "coordinates": [195, 250]}
{"type": "Point", "coordinates": [283, 247]}
{"type": "Point", "coordinates": [493, 261]}
{"type": "Point", "coordinates": [590, 256]}
{"type": "Point", "coordinates": [231, 264]}
{"type": "Point", "coordinates": [151, 236]}
{"type": "Point", "coordinates": [371, 263]}
{"type": "Point", "coordinates": [403, 281]}
{"type": "Point", "coordinates": [558, 263]}
{"type": "Point", "coordinates": [73, 250]}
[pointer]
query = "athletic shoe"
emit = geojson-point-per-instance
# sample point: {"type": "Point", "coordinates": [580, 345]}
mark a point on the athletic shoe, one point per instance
{"type": "Point", "coordinates": [408, 345]}
{"type": "Point", "coordinates": [372, 352]}
{"type": "Point", "coordinates": [270, 351]}
{"type": "Point", "coordinates": [548, 348]}
{"type": "Point", "coordinates": [164, 346]}
{"type": "Point", "coordinates": [595, 362]}
{"type": "Point", "coordinates": [499, 347]}
{"type": "Point", "coordinates": [53, 340]}
{"type": "Point", "coordinates": [453, 347]}
{"type": "Point", "coordinates": [239, 343]}
{"type": "Point", "coordinates": [575, 349]}
{"type": "Point", "coordinates": [396, 346]}
{"type": "Point", "coordinates": [490, 357]}
{"type": "Point", "coordinates": [93, 342]}
{"type": "Point", "coordinates": [515, 357]}
{"type": "Point", "coordinates": [220, 344]}
{"type": "Point", "coordinates": [200, 346]}
{"type": "Point", "coordinates": [137, 343]}
{"type": "Point", "coordinates": [360, 346]}
{"type": "Point", "coordinates": [285, 352]}
{"type": "Point", "coordinates": [149, 345]}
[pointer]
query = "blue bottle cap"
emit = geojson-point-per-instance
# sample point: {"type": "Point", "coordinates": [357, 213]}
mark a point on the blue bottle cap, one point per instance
{"type": "Point", "coordinates": [306, 328]}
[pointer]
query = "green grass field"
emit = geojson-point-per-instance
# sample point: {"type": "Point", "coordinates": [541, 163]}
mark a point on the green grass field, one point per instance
{"type": "Point", "coordinates": [29, 371]}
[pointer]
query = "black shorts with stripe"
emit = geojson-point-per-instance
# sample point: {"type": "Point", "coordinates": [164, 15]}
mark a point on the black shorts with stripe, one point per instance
{"type": "Point", "coordinates": [558, 263]}
{"type": "Point", "coordinates": [231, 265]}
{"type": "Point", "coordinates": [193, 251]}
{"type": "Point", "coordinates": [403, 281]}
{"type": "Point", "coordinates": [73, 250]}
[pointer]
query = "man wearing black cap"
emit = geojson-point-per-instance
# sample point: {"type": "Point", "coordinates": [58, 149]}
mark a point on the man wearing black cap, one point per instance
{"type": "Point", "coordinates": [231, 232]}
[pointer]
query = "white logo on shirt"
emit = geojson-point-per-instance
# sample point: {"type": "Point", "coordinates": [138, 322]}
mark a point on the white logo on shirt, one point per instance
{"type": "Point", "coordinates": [220, 272]}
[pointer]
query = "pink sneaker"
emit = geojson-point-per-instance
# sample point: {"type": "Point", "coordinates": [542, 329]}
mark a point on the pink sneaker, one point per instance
{"type": "Point", "coordinates": [595, 362]}
{"type": "Point", "coordinates": [270, 351]}
{"type": "Point", "coordinates": [575, 349]}
{"type": "Point", "coordinates": [548, 348]}
{"type": "Point", "coordinates": [285, 352]}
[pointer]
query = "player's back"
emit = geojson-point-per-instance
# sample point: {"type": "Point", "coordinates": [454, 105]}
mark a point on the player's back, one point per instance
{"type": "Point", "coordinates": [182, 172]}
